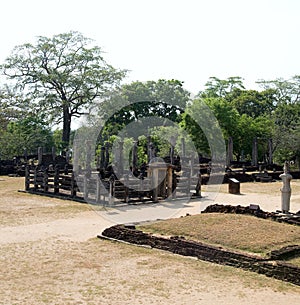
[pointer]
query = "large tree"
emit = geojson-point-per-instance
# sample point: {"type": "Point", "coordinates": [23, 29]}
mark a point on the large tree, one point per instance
{"type": "Point", "coordinates": [165, 99]}
{"type": "Point", "coordinates": [241, 127]}
{"type": "Point", "coordinates": [285, 117]}
{"type": "Point", "coordinates": [63, 75]}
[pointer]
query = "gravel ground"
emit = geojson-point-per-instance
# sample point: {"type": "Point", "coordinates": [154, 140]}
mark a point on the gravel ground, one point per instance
{"type": "Point", "coordinates": [49, 254]}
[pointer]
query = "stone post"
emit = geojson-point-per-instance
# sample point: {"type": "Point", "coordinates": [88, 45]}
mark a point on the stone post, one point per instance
{"type": "Point", "coordinates": [102, 158]}
{"type": "Point", "coordinates": [230, 152]}
{"type": "Point", "coordinates": [27, 177]}
{"type": "Point", "coordinates": [126, 188]}
{"type": "Point", "coordinates": [169, 181]}
{"type": "Point", "coordinates": [68, 156]}
{"type": "Point", "coordinates": [111, 190]}
{"type": "Point", "coordinates": [25, 156]}
{"type": "Point", "coordinates": [53, 152]}
{"type": "Point", "coordinates": [198, 186]}
{"type": "Point", "coordinates": [254, 152]}
{"type": "Point", "coordinates": [155, 184]}
{"type": "Point", "coordinates": [172, 149]}
{"type": "Point", "coordinates": [183, 147]}
{"type": "Point", "coordinates": [73, 185]}
{"type": "Point", "coordinates": [270, 150]}
{"type": "Point", "coordinates": [107, 147]}
{"type": "Point", "coordinates": [98, 189]}
{"type": "Point", "coordinates": [40, 155]}
{"type": "Point", "coordinates": [149, 151]}
{"type": "Point", "coordinates": [88, 159]}
{"type": "Point", "coordinates": [120, 161]}
{"type": "Point", "coordinates": [75, 158]}
{"type": "Point", "coordinates": [56, 180]}
{"type": "Point", "coordinates": [135, 157]}
{"type": "Point", "coordinates": [286, 189]}
{"type": "Point", "coordinates": [45, 181]}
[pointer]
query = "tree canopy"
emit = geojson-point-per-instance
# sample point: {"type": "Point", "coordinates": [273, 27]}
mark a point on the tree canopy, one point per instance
{"type": "Point", "coordinates": [28, 133]}
{"type": "Point", "coordinates": [61, 76]}
{"type": "Point", "coordinates": [163, 98]}
{"type": "Point", "coordinates": [65, 76]}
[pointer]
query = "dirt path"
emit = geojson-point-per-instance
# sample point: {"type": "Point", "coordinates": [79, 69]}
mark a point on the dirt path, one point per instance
{"type": "Point", "coordinates": [49, 254]}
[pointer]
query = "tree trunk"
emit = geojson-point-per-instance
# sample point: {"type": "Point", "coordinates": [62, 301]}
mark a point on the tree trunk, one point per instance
{"type": "Point", "coordinates": [66, 127]}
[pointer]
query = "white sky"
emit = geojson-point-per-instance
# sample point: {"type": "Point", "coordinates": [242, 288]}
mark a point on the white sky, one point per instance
{"type": "Point", "coordinates": [189, 40]}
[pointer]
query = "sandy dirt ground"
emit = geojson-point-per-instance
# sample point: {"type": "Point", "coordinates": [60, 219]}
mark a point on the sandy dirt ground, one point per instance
{"type": "Point", "coordinates": [49, 254]}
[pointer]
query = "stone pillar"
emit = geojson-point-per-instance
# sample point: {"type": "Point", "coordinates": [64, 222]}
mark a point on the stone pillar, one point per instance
{"type": "Point", "coordinates": [120, 157]}
{"type": "Point", "coordinates": [155, 185]}
{"type": "Point", "coordinates": [169, 181]}
{"type": "Point", "coordinates": [73, 185]}
{"type": "Point", "coordinates": [75, 158]}
{"type": "Point", "coordinates": [102, 158]}
{"type": "Point", "coordinates": [149, 150]}
{"type": "Point", "coordinates": [53, 151]}
{"type": "Point", "coordinates": [286, 189]}
{"type": "Point", "coordinates": [242, 156]}
{"type": "Point", "coordinates": [98, 189]}
{"type": "Point", "coordinates": [126, 188]}
{"type": "Point", "coordinates": [198, 186]}
{"type": "Point", "coordinates": [135, 157]}
{"type": "Point", "coordinates": [192, 164]}
{"type": "Point", "coordinates": [230, 151]}
{"type": "Point", "coordinates": [27, 177]}
{"type": "Point", "coordinates": [182, 147]}
{"type": "Point", "coordinates": [25, 155]}
{"type": "Point", "coordinates": [88, 161]}
{"type": "Point", "coordinates": [40, 155]}
{"type": "Point", "coordinates": [172, 149]}
{"type": "Point", "coordinates": [111, 194]}
{"type": "Point", "coordinates": [254, 152]}
{"type": "Point", "coordinates": [106, 155]}
{"type": "Point", "coordinates": [270, 150]}
{"type": "Point", "coordinates": [68, 156]}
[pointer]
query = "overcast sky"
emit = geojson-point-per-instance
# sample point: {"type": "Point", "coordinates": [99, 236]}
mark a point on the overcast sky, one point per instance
{"type": "Point", "coordinates": [188, 40]}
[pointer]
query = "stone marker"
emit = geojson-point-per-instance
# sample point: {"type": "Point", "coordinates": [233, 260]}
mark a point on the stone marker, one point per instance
{"type": "Point", "coordinates": [233, 186]}
{"type": "Point", "coordinates": [286, 189]}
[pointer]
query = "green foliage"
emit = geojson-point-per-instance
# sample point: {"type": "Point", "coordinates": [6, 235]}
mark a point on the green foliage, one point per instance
{"type": "Point", "coordinates": [286, 133]}
{"type": "Point", "coordinates": [29, 134]}
{"type": "Point", "coordinates": [8, 111]}
{"type": "Point", "coordinates": [241, 127]}
{"type": "Point", "coordinates": [287, 91]}
{"type": "Point", "coordinates": [163, 99]}
{"type": "Point", "coordinates": [216, 87]}
{"type": "Point", "coordinates": [163, 137]}
{"type": "Point", "coordinates": [62, 76]}
{"type": "Point", "coordinates": [201, 124]}
{"type": "Point", "coordinates": [57, 140]}
{"type": "Point", "coordinates": [253, 103]}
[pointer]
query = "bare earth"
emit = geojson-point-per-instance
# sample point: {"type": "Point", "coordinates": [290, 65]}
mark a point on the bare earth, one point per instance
{"type": "Point", "coordinates": [49, 254]}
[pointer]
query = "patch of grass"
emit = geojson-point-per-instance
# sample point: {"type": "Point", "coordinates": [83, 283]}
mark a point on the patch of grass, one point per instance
{"type": "Point", "coordinates": [239, 232]}
{"type": "Point", "coordinates": [17, 208]}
